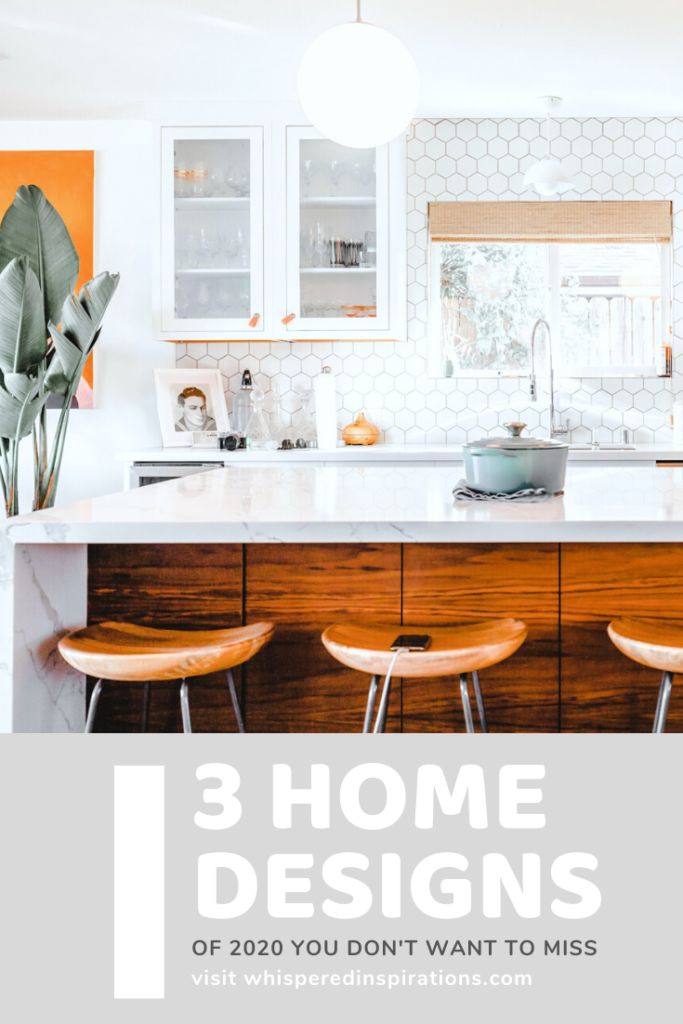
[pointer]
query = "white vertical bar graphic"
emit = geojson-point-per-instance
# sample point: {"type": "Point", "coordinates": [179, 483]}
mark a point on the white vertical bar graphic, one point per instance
{"type": "Point", "coordinates": [138, 882]}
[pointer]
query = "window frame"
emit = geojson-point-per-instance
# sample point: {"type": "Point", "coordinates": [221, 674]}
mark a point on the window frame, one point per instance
{"type": "Point", "coordinates": [434, 336]}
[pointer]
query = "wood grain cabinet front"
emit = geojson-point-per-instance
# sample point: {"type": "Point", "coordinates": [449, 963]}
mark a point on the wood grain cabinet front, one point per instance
{"type": "Point", "coordinates": [567, 675]}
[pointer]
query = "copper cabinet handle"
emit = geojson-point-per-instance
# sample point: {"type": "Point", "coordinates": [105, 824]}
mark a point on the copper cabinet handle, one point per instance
{"type": "Point", "coordinates": [255, 319]}
{"type": "Point", "coordinates": [288, 319]}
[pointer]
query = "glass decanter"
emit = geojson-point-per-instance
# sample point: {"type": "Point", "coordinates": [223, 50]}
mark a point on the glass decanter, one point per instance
{"type": "Point", "coordinates": [279, 421]}
{"type": "Point", "coordinates": [259, 431]}
{"type": "Point", "coordinates": [303, 426]}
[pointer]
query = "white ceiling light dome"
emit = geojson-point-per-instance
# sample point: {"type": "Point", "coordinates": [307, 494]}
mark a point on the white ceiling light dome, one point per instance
{"type": "Point", "coordinates": [549, 176]}
{"type": "Point", "coordinates": [358, 85]}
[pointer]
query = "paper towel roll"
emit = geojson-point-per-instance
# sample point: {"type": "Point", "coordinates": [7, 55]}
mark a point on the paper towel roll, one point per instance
{"type": "Point", "coordinates": [326, 409]}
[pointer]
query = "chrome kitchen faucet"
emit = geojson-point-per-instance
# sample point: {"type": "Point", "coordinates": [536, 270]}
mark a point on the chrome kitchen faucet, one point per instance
{"type": "Point", "coordinates": [533, 389]}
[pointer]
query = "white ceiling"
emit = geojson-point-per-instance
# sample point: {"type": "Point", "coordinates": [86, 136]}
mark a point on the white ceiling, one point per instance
{"type": "Point", "coordinates": [108, 58]}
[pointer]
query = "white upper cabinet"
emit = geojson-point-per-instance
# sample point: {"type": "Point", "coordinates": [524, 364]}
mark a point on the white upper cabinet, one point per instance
{"type": "Point", "coordinates": [273, 233]}
{"type": "Point", "coordinates": [212, 251]}
{"type": "Point", "coordinates": [337, 238]}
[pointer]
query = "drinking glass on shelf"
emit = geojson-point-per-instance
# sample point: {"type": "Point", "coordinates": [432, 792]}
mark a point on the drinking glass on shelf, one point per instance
{"type": "Point", "coordinates": [238, 181]}
{"type": "Point", "coordinates": [201, 187]}
{"type": "Point", "coordinates": [336, 172]}
{"type": "Point", "coordinates": [308, 169]}
{"type": "Point", "coordinates": [244, 297]}
{"type": "Point", "coordinates": [188, 252]}
{"type": "Point", "coordinates": [321, 253]}
{"type": "Point", "coordinates": [180, 181]}
{"type": "Point", "coordinates": [218, 182]}
{"type": "Point", "coordinates": [224, 297]}
{"type": "Point", "coordinates": [370, 248]}
{"type": "Point", "coordinates": [362, 174]}
{"type": "Point", "coordinates": [231, 247]}
{"type": "Point", "coordinates": [211, 243]}
{"type": "Point", "coordinates": [182, 302]}
{"type": "Point", "coordinates": [242, 248]}
{"type": "Point", "coordinates": [306, 246]}
{"type": "Point", "coordinates": [203, 300]}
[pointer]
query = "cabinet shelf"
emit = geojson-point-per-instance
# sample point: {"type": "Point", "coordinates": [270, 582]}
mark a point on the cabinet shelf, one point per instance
{"type": "Point", "coordinates": [212, 203]}
{"type": "Point", "coordinates": [338, 270]}
{"type": "Point", "coordinates": [347, 202]}
{"type": "Point", "coordinates": [213, 272]}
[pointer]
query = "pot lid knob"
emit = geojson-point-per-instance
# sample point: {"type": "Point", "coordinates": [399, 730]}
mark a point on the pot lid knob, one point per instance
{"type": "Point", "coordinates": [514, 429]}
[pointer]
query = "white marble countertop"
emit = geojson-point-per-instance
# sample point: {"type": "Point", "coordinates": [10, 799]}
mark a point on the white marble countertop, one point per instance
{"type": "Point", "coordinates": [364, 504]}
{"type": "Point", "coordinates": [436, 453]}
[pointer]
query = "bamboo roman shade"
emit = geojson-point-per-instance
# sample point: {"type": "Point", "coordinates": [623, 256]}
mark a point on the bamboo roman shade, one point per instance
{"type": "Point", "coordinates": [618, 221]}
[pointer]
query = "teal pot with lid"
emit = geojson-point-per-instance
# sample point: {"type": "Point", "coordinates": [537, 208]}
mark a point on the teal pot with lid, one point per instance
{"type": "Point", "coordinates": [503, 465]}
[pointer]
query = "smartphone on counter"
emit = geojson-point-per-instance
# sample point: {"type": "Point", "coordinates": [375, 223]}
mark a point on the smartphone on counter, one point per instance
{"type": "Point", "coordinates": [412, 642]}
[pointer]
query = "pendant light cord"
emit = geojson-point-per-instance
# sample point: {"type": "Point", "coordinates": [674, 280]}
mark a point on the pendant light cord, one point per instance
{"type": "Point", "coordinates": [547, 129]}
{"type": "Point", "coordinates": [358, 17]}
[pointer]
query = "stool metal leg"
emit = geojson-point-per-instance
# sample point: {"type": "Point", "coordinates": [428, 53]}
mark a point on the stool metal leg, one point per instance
{"type": "Point", "coordinates": [145, 707]}
{"type": "Point", "coordinates": [90, 720]}
{"type": "Point", "coordinates": [480, 702]}
{"type": "Point", "coordinates": [235, 702]}
{"type": "Point", "coordinates": [372, 697]}
{"type": "Point", "coordinates": [185, 707]}
{"type": "Point", "coordinates": [381, 723]}
{"type": "Point", "coordinates": [663, 702]}
{"type": "Point", "coordinates": [465, 696]}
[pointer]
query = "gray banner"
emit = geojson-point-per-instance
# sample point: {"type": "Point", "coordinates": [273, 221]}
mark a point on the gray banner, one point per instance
{"type": "Point", "coordinates": [615, 797]}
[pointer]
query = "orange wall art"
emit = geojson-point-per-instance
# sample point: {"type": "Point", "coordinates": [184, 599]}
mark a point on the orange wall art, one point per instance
{"type": "Point", "coordinates": [67, 178]}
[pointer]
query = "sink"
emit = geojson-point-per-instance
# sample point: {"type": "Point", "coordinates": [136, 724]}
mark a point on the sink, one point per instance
{"type": "Point", "coordinates": [602, 447]}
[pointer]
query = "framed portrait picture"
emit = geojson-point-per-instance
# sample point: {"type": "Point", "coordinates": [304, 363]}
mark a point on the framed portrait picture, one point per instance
{"type": "Point", "coordinates": [189, 401]}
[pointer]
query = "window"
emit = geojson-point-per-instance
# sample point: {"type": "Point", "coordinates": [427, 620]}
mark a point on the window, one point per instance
{"type": "Point", "coordinates": [600, 277]}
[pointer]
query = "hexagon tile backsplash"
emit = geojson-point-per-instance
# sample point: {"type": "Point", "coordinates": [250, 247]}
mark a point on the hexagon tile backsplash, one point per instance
{"type": "Point", "coordinates": [610, 158]}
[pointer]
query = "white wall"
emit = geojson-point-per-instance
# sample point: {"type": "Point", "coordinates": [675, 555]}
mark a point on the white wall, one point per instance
{"type": "Point", "coordinates": [126, 354]}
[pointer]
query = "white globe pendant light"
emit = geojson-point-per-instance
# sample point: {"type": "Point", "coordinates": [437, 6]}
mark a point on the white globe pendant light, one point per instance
{"type": "Point", "coordinates": [549, 176]}
{"type": "Point", "coordinates": [358, 84]}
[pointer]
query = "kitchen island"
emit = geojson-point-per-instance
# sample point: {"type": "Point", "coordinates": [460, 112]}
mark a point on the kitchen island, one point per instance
{"type": "Point", "coordinates": [305, 547]}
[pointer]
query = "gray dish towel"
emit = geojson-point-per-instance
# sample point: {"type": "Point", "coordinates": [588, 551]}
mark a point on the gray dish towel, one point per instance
{"type": "Point", "coordinates": [530, 495]}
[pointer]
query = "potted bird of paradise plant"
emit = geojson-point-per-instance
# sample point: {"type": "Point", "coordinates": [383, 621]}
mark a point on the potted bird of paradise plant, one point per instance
{"type": "Point", "coordinates": [47, 332]}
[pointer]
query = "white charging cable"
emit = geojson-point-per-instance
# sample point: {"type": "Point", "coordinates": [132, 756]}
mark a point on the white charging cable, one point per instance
{"type": "Point", "coordinates": [386, 689]}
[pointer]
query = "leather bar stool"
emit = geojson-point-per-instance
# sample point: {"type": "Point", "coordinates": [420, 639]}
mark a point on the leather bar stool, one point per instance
{"type": "Point", "coordinates": [657, 644]}
{"type": "Point", "coordinates": [120, 651]}
{"type": "Point", "coordinates": [454, 650]}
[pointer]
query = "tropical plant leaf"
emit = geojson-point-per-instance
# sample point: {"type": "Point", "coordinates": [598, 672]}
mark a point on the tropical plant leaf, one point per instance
{"type": "Point", "coordinates": [67, 354]}
{"type": "Point", "coordinates": [21, 385]}
{"type": "Point", "coordinates": [96, 295]}
{"type": "Point", "coordinates": [83, 314]}
{"type": "Point", "coordinates": [32, 227]}
{"type": "Point", "coordinates": [23, 341]}
{"type": "Point", "coordinates": [17, 417]}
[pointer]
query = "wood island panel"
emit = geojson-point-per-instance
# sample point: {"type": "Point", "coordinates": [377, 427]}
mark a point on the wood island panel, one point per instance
{"type": "Point", "coordinates": [294, 685]}
{"type": "Point", "coordinates": [567, 674]}
{"type": "Point", "coordinates": [449, 584]}
{"type": "Point", "coordinates": [174, 586]}
{"type": "Point", "coordinates": [602, 690]}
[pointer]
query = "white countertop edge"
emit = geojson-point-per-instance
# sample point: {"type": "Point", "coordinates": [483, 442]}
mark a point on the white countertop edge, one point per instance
{"type": "Point", "coordinates": [335, 532]}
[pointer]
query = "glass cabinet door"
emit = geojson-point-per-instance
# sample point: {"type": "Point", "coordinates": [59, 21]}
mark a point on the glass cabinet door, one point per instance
{"type": "Point", "coordinates": [337, 237]}
{"type": "Point", "coordinates": [212, 231]}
